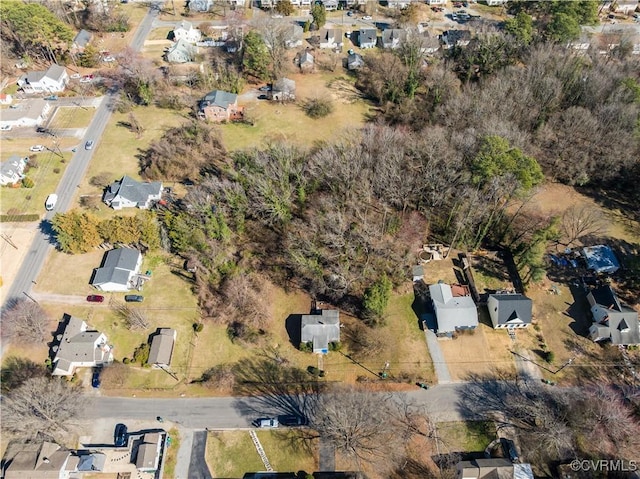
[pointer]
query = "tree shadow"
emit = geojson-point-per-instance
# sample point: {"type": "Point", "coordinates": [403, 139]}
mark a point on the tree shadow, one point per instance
{"type": "Point", "coordinates": [421, 305]}
{"type": "Point", "coordinates": [46, 228]}
{"type": "Point", "coordinates": [579, 310]}
{"type": "Point", "coordinates": [292, 325]}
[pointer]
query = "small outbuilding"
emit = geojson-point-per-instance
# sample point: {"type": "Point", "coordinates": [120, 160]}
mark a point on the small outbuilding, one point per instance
{"type": "Point", "coordinates": [601, 259]}
{"type": "Point", "coordinates": [162, 348]}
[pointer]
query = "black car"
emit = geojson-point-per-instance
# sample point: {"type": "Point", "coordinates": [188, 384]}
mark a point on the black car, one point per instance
{"type": "Point", "coordinates": [120, 435]}
{"type": "Point", "coordinates": [291, 420]}
{"type": "Point", "coordinates": [95, 378]}
{"type": "Point", "coordinates": [134, 298]}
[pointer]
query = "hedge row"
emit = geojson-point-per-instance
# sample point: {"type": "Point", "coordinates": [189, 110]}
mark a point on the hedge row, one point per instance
{"type": "Point", "coordinates": [18, 218]}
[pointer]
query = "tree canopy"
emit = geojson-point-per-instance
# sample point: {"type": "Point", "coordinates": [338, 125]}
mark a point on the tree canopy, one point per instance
{"type": "Point", "coordinates": [255, 57]}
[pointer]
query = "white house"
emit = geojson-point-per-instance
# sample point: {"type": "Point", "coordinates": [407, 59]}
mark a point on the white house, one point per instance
{"type": "Point", "coordinates": [185, 31]}
{"type": "Point", "coordinates": [28, 113]}
{"type": "Point", "coordinates": [330, 38]}
{"type": "Point", "coordinates": [12, 170]}
{"type": "Point", "coordinates": [129, 193]}
{"type": "Point", "coordinates": [181, 52]}
{"type": "Point", "coordinates": [118, 270]}
{"type": "Point", "coordinates": [80, 347]}
{"type": "Point", "coordinates": [320, 327]}
{"type": "Point", "coordinates": [436, 2]}
{"type": "Point", "coordinates": [53, 80]}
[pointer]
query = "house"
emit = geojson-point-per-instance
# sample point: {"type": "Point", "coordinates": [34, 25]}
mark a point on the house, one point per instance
{"type": "Point", "coordinates": [162, 348]}
{"type": "Point", "coordinates": [118, 270]}
{"type": "Point", "coordinates": [92, 462]}
{"type": "Point", "coordinates": [429, 44]}
{"type": "Point", "coordinates": [148, 457]}
{"type": "Point", "coordinates": [185, 31]}
{"type": "Point", "coordinates": [454, 308]}
{"type": "Point", "coordinates": [181, 52]}
{"type": "Point", "coordinates": [600, 259]}
{"type": "Point", "coordinates": [40, 461]}
{"type": "Point", "coordinates": [621, 6]}
{"type": "Point", "coordinates": [355, 61]}
{"type": "Point", "coordinates": [612, 320]}
{"type": "Point", "coordinates": [393, 37]}
{"type": "Point", "coordinates": [495, 3]}
{"type": "Point", "coordinates": [28, 113]}
{"type": "Point", "coordinates": [306, 61]}
{"type": "Point", "coordinates": [608, 42]}
{"type": "Point", "coordinates": [398, 3]}
{"type": "Point", "coordinates": [129, 193]}
{"type": "Point", "coordinates": [79, 347]}
{"type": "Point", "coordinates": [5, 99]}
{"type": "Point", "coordinates": [509, 310]}
{"type": "Point", "coordinates": [580, 44]}
{"type": "Point", "coordinates": [497, 468]}
{"type": "Point", "coordinates": [200, 5]}
{"type": "Point", "coordinates": [330, 38]}
{"type": "Point", "coordinates": [367, 37]}
{"type": "Point", "coordinates": [330, 5]}
{"type": "Point", "coordinates": [12, 170]}
{"type": "Point", "coordinates": [320, 327]}
{"type": "Point", "coordinates": [294, 35]}
{"type": "Point", "coordinates": [455, 38]}
{"type": "Point", "coordinates": [283, 90]}
{"type": "Point", "coordinates": [81, 40]}
{"type": "Point", "coordinates": [436, 2]}
{"type": "Point", "coordinates": [54, 80]}
{"type": "Point", "coordinates": [220, 106]}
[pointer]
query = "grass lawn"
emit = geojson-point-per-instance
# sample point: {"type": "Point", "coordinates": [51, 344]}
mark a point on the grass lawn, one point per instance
{"type": "Point", "coordinates": [20, 146]}
{"type": "Point", "coordinates": [232, 453]}
{"type": "Point", "coordinates": [81, 265]}
{"type": "Point", "coordinates": [171, 453]}
{"type": "Point", "coordinates": [275, 122]}
{"type": "Point", "coordinates": [160, 33]}
{"type": "Point", "coordinates": [46, 177]}
{"type": "Point", "coordinates": [465, 436]}
{"type": "Point", "coordinates": [72, 117]}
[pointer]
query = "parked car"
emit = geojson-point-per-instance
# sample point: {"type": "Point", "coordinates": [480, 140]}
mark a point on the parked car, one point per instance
{"type": "Point", "coordinates": [120, 435]}
{"type": "Point", "coordinates": [134, 298]}
{"type": "Point", "coordinates": [5, 128]}
{"type": "Point", "coordinates": [367, 17]}
{"type": "Point", "coordinates": [95, 378]}
{"type": "Point", "coordinates": [267, 422]}
{"type": "Point", "coordinates": [264, 88]}
{"type": "Point", "coordinates": [95, 298]}
{"type": "Point", "coordinates": [108, 59]}
{"type": "Point", "coordinates": [291, 420]}
{"type": "Point", "coordinates": [36, 148]}
{"type": "Point", "coordinates": [86, 79]}
{"type": "Point", "coordinates": [50, 202]}
{"type": "Point", "coordinates": [41, 129]}
{"type": "Point", "coordinates": [88, 145]}
{"type": "Point", "coordinates": [349, 13]}
{"type": "Point", "coordinates": [51, 97]}
{"type": "Point", "coordinates": [75, 76]}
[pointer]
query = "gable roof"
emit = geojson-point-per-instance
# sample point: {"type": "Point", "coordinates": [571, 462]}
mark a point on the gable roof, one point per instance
{"type": "Point", "coordinates": [82, 39]}
{"type": "Point", "coordinates": [393, 35]}
{"type": "Point", "coordinates": [29, 109]}
{"type": "Point", "coordinates": [355, 60]}
{"type": "Point", "coordinates": [148, 452]}
{"type": "Point", "coordinates": [14, 166]}
{"type": "Point", "coordinates": [55, 72]}
{"type": "Point", "coordinates": [511, 308]}
{"type": "Point", "coordinates": [79, 344]}
{"type": "Point", "coordinates": [601, 259]}
{"type": "Point", "coordinates": [44, 462]}
{"type": "Point", "coordinates": [162, 346]}
{"type": "Point", "coordinates": [185, 25]}
{"type": "Point", "coordinates": [452, 311]}
{"type": "Point", "coordinates": [284, 85]}
{"type": "Point", "coordinates": [612, 319]}
{"type": "Point", "coordinates": [131, 190]}
{"type": "Point", "coordinates": [367, 35]}
{"type": "Point", "coordinates": [496, 468]}
{"type": "Point", "coordinates": [219, 98]}
{"type": "Point", "coordinates": [451, 37]}
{"type": "Point", "coordinates": [182, 46]}
{"type": "Point", "coordinates": [320, 328]}
{"type": "Point", "coordinates": [306, 57]}
{"type": "Point", "coordinates": [117, 266]}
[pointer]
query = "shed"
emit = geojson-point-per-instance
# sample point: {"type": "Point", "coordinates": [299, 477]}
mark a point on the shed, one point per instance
{"type": "Point", "coordinates": [162, 347]}
{"type": "Point", "coordinates": [601, 259]}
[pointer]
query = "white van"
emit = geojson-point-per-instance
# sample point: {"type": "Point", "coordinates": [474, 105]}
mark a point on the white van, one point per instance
{"type": "Point", "coordinates": [50, 202]}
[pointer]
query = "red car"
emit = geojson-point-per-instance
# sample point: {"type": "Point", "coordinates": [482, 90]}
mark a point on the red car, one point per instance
{"type": "Point", "coordinates": [95, 298]}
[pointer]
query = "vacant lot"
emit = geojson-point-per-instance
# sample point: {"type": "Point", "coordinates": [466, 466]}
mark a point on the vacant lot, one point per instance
{"type": "Point", "coordinates": [287, 122]}
{"type": "Point", "coordinates": [468, 436]}
{"type": "Point", "coordinates": [72, 117]}
{"type": "Point", "coordinates": [232, 453]}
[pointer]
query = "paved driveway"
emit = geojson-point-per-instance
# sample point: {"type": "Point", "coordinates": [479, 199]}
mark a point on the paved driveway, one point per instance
{"type": "Point", "coordinates": [198, 468]}
{"type": "Point", "coordinates": [437, 356]}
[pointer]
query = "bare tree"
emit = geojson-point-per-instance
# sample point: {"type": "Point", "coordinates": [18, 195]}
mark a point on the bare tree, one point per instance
{"type": "Point", "coordinates": [134, 318]}
{"type": "Point", "coordinates": [275, 33]}
{"type": "Point", "coordinates": [580, 221]}
{"type": "Point", "coordinates": [25, 322]}
{"type": "Point", "coordinates": [42, 405]}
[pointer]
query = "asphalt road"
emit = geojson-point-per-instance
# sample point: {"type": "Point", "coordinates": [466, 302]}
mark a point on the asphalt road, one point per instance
{"type": "Point", "coordinates": [440, 402]}
{"type": "Point", "coordinates": [42, 243]}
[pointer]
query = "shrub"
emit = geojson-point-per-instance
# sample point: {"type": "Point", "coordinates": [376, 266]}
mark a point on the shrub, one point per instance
{"type": "Point", "coordinates": [27, 182]}
{"type": "Point", "coordinates": [198, 327]}
{"type": "Point", "coordinates": [126, 360]}
{"type": "Point", "coordinates": [317, 107]}
{"type": "Point", "coordinates": [141, 354]}
{"type": "Point", "coordinates": [306, 347]}
{"type": "Point", "coordinates": [56, 170]}
{"type": "Point", "coordinates": [549, 356]}
{"type": "Point", "coordinates": [335, 346]}
{"type": "Point", "coordinates": [313, 371]}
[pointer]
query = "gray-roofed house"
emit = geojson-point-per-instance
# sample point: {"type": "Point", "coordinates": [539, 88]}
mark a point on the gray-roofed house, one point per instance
{"type": "Point", "coordinates": [393, 37]}
{"type": "Point", "coordinates": [53, 80]}
{"type": "Point", "coordinates": [456, 38]}
{"type": "Point", "coordinates": [12, 170]}
{"type": "Point", "coordinates": [162, 348]}
{"type": "Point", "coordinates": [81, 40]}
{"type": "Point", "coordinates": [429, 44]}
{"type": "Point", "coordinates": [200, 5]}
{"type": "Point", "coordinates": [43, 461]}
{"type": "Point", "coordinates": [355, 61]}
{"type": "Point", "coordinates": [148, 456]}
{"type": "Point", "coordinates": [601, 259]}
{"type": "Point", "coordinates": [496, 468]}
{"type": "Point", "coordinates": [320, 327]}
{"type": "Point", "coordinates": [79, 347]}
{"type": "Point", "coordinates": [294, 35]}
{"type": "Point", "coordinates": [27, 113]}
{"type": "Point", "coordinates": [118, 270]}
{"type": "Point", "coordinates": [306, 61]}
{"type": "Point", "coordinates": [181, 52]}
{"type": "Point", "coordinates": [129, 193]}
{"type": "Point", "coordinates": [612, 320]}
{"type": "Point", "coordinates": [330, 38]}
{"type": "Point", "coordinates": [92, 462]}
{"type": "Point", "coordinates": [185, 31]}
{"type": "Point", "coordinates": [218, 106]}
{"type": "Point", "coordinates": [509, 310]}
{"type": "Point", "coordinates": [367, 37]}
{"type": "Point", "coordinates": [454, 308]}
{"type": "Point", "coordinates": [283, 90]}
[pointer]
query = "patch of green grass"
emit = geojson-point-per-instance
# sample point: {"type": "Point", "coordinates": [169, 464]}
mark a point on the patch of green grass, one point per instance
{"type": "Point", "coordinates": [466, 436]}
{"type": "Point", "coordinates": [46, 177]}
{"type": "Point", "coordinates": [72, 117]}
{"type": "Point", "coordinates": [232, 453]}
